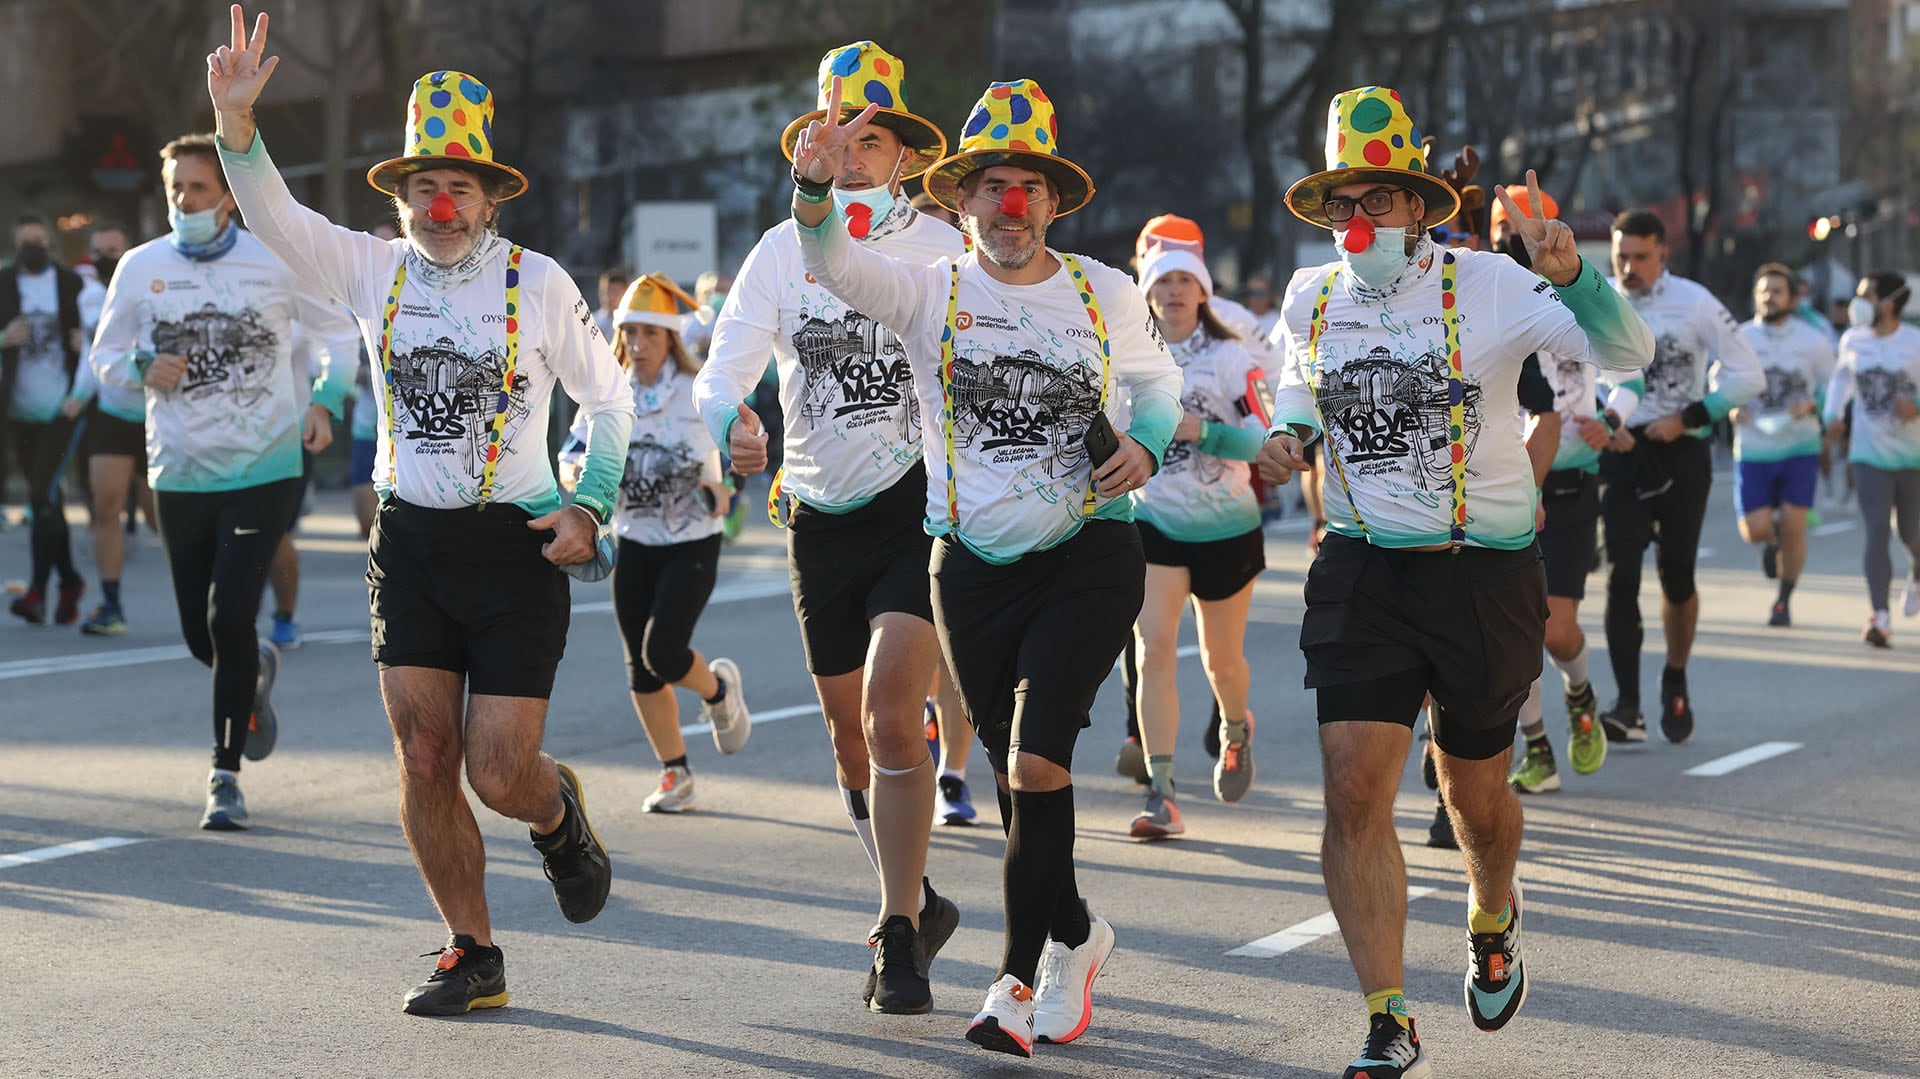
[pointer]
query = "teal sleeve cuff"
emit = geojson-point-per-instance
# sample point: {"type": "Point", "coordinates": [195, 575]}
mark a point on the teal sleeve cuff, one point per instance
{"type": "Point", "coordinates": [1232, 443]}
{"type": "Point", "coordinates": [1155, 415]}
{"type": "Point", "coordinates": [254, 151]}
{"type": "Point", "coordinates": [1716, 405]}
{"type": "Point", "coordinates": [606, 460]}
{"type": "Point", "coordinates": [333, 396]}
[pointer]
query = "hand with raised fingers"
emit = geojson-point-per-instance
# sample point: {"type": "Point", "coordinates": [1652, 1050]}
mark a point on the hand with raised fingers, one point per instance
{"type": "Point", "coordinates": [822, 148]}
{"type": "Point", "coordinates": [1549, 241]}
{"type": "Point", "coordinates": [239, 70]}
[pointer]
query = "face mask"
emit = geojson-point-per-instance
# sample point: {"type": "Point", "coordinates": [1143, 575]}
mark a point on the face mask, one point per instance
{"type": "Point", "coordinates": [862, 208]}
{"type": "Point", "coordinates": [1516, 249]}
{"type": "Point", "coordinates": [194, 228]}
{"type": "Point", "coordinates": [717, 301]}
{"type": "Point", "coordinates": [1860, 312]}
{"type": "Point", "coordinates": [31, 257]}
{"type": "Point", "coordinates": [1379, 263]}
{"type": "Point", "coordinates": [104, 268]}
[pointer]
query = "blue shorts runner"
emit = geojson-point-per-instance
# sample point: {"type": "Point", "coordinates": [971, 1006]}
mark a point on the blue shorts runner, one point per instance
{"type": "Point", "coordinates": [1761, 485]}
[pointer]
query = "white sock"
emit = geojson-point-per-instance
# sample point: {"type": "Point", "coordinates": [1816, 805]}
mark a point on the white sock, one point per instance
{"type": "Point", "coordinates": [1530, 711]}
{"type": "Point", "coordinates": [222, 773]}
{"type": "Point", "coordinates": [951, 773]}
{"type": "Point", "coordinates": [856, 803]}
{"type": "Point", "coordinates": [1573, 670]}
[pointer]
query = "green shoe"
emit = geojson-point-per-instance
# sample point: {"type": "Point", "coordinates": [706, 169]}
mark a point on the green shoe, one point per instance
{"type": "Point", "coordinates": [1587, 748]}
{"type": "Point", "coordinates": [1536, 774]}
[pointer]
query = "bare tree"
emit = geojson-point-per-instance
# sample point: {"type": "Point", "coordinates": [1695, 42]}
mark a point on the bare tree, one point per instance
{"type": "Point", "coordinates": [153, 50]}
{"type": "Point", "coordinates": [1701, 57]}
{"type": "Point", "coordinates": [333, 39]}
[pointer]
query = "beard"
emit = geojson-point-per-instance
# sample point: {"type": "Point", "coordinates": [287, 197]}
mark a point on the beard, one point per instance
{"type": "Point", "coordinates": [1011, 252]}
{"type": "Point", "coordinates": [442, 245]}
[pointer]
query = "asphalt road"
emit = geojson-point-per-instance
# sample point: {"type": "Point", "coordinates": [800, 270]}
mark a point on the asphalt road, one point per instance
{"type": "Point", "coordinates": [1758, 922]}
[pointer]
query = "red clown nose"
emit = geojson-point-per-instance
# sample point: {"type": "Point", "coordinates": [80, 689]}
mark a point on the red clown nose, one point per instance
{"type": "Point", "coordinates": [859, 220]}
{"type": "Point", "coordinates": [1014, 202]}
{"type": "Point", "coordinates": [441, 209]}
{"type": "Point", "coordinates": [1359, 235]}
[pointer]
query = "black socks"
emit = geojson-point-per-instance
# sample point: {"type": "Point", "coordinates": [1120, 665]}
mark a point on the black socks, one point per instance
{"type": "Point", "coordinates": [1039, 881]}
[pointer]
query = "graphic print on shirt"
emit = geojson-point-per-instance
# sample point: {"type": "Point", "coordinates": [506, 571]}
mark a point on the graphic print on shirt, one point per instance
{"type": "Point", "coordinates": [1571, 392]}
{"type": "Point", "coordinates": [661, 480]}
{"type": "Point", "coordinates": [1785, 385]}
{"type": "Point", "coordinates": [1391, 416]}
{"type": "Point", "coordinates": [1880, 387]}
{"type": "Point", "coordinates": [856, 375]}
{"type": "Point", "coordinates": [1016, 409]}
{"type": "Point", "coordinates": [444, 401]}
{"type": "Point", "coordinates": [1670, 376]}
{"type": "Point", "coordinates": [1184, 456]}
{"type": "Point", "coordinates": [228, 354]}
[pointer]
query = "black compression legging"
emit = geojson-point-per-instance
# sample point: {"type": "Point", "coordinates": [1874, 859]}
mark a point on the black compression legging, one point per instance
{"type": "Point", "coordinates": [1672, 518]}
{"type": "Point", "coordinates": [219, 547]}
{"type": "Point", "coordinates": [41, 449]}
{"type": "Point", "coordinates": [658, 594]}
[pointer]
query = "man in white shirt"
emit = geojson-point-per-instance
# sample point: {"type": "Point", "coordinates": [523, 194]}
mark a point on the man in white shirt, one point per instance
{"type": "Point", "coordinates": [470, 605]}
{"type": "Point", "coordinates": [1701, 370]}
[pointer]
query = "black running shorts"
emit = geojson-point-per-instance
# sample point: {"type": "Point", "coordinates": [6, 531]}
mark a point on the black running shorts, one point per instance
{"type": "Point", "coordinates": [847, 569]}
{"type": "Point", "coordinates": [1216, 570]}
{"type": "Point", "coordinates": [1385, 627]}
{"type": "Point", "coordinates": [1029, 643]}
{"type": "Point", "coordinates": [1571, 535]}
{"type": "Point", "coordinates": [111, 436]}
{"type": "Point", "coordinates": [467, 590]}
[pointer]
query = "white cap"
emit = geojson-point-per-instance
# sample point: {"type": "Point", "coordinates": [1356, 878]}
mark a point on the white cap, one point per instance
{"type": "Point", "coordinates": [1166, 260]}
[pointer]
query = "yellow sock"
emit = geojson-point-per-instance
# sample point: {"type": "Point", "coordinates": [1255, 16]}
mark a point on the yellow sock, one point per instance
{"type": "Point", "coordinates": [1389, 1001]}
{"type": "Point", "coordinates": [1479, 921]}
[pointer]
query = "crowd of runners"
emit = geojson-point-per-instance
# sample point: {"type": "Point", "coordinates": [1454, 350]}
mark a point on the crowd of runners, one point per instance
{"type": "Point", "coordinates": [999, 469]}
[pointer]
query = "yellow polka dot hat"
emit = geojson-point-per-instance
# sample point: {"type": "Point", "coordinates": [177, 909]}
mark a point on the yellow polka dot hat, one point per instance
{"type": "Point", "coordinates": [449, 123]}
{"type": "Point", "coordinates": [654, 298]}
{"type": "Point", "coordinates": [1013, 124]}
{"type": "Point", "coordinates": [870, 75]}
{"type": "Point", "coordinates": [1371, 139]}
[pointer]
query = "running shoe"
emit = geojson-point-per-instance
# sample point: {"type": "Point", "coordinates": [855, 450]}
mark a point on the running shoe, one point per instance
{"type": "Point", "coordinates": [731, 721]}
{"type": "Point", "coordinates": [952, 804]}
{"type": "Point", "coordinates": [1391, 1051]}
{"type": "Point", "coordinates": [1005, 1022]}
{"type": "Point", "coordinates": [67, 611]}
{"type": "Point", "coordinates": [1879, 630]}
{"type": "Point", "coordinates": [226, 806]}
{"type": "Point", "coordinates": [573, 857]}
{"type": "Point", "coordinates": [674, 794]}
{"type": "Point", "coordinates": [468, 976]}
{"type": "Point", "coordinates": [1160, 819]}
{"type": "Point", "coordinates": [1132, 761]}
{"type": "Point", "coordinates": [1910, 603]}
{"type": "Point", "coordinates": [1780, 615]}
{"type": "Point", "coordinates": [105, 621]}
{"type": "Point", "coordinates": [1429, 768]}
{"type": "Point", "coordinates": [933, 731]}
{"type": "Point", "coordinates": [1586, 744]}
{"type": "Point", "coordinates": [1063, 1002]}
{"type": "Point", "coordinates": [901, 985]}
{"type": "Point", "coordinates": [1537, 773]}
{"type": "Point", "coordinates": [1233, 772]}
{"type": "Point", "coordinates": [1770, 560]}
{"type": "Point", "coordinates": [263, 726]}
{"type": "Point", "coordinates": [1210, 741]}
{"type": "Point", "coordinates": [1624, 723]}
{"type": "Point", "coordinates": [286, 634]}
{"type": "Point", "coordinates": [1440, 832]}
{"type": "Point", "coordinates": [939, 917]}
{"type": "Point", "coordinates": [31, 607]}
{"type": "Point", "coordinates": [1496, 977]}
{"type": "Point", "coordinates": [1676, 709]}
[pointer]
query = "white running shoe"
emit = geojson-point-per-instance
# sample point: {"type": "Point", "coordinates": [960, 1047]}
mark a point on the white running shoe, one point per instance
{"type": "Point", "coordinates": [1064, 1002]}
{"type": "Point", "coordinates": [1910, 606]}
{"type": "Point", "coordinates": [731, 721]}
{"type": "Point", "coordinates": [673, 795]}
{"type": "Point", "coordinates": [1005, 1022]}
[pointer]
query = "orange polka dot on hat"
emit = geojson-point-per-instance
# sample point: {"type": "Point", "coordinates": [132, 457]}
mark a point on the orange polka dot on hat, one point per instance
{"type": "Point", "coordinates": [1372, 139]}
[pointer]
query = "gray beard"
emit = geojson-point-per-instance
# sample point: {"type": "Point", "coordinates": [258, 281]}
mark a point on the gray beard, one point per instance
{"type": "Point", "coordinates": [473, 242]}
{"type": "Point", "coordinates": [1010, 260]}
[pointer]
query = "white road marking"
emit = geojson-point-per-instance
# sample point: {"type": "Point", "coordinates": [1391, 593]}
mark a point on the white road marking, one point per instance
{"type": "Point", "coordinates": [1833, 528]}
{"type": "Point", "coordinates": [774, 716]}
{"type": "Point", "coordinates": [64, 850]}
{"type": "Point", "coordinates": [1735, 761]}
{"type": "Point", "coordinates": [1278, 944]}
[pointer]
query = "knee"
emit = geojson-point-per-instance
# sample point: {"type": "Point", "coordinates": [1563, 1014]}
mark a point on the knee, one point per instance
{"type": "Point", "coordinates": [1355, 797]}
{"type": "Point", "coordinates": [231, 624]}
{"type": "Point", "coordinates": [495, 784]}
{"type": "Point", "coordinates": [1226, 669]}
{"type": "Point", "coordinates": [1477, 790]}
{"type": "Point", "coordinates": [428, 759]}
{"type": "Point", "coordinates": [1157, 657]}
{"type": "Point", "coordinates": [1676, 582]}
{"type": "Point", "coordinates": [849, 744]}
{"type": "Point", "coordinates": [1757, 529]}
{"type": "Point", "coordinates": [1032, 772]}
{"type": "Point", "coordinates": [1563, 637]}
{"type": "Point", "coordinates": [667, 663]}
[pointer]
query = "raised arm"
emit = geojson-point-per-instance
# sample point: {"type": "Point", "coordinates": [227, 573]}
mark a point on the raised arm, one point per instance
{"type": "Point", "coordinates": [1619, 338]}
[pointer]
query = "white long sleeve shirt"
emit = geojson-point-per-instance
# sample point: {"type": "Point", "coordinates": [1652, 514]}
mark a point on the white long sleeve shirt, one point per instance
{"type": "Point", "coordinates": [449, 350]}
{"type": "Point", "coordinates": [1798, 361]}
{"type": "Point", "coordinates": [1876, 370]}
{"type": "Point", "coordinates": [1027, 379]}
{"type": "Point", "coordinates": [669, 455]}
{"type": "Point", "coordinates": [1204, 489]}
{"type": "Point", "coordinates": [846, 388]}
{"type": "Point", "coordinates": [1383, 391]}
{"type": "Point", "coordinates": [1699, 355]}
{"type": "Point", "coordinates": [247, 327]}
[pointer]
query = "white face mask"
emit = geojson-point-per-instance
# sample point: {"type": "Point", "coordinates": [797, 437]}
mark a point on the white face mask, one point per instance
{"type": "Point", "coordinates": [194, 228]}
{"type": "Point", "coordinates": [1383, 261]}
{"type": "Point", "coordinates": [1860, 312]}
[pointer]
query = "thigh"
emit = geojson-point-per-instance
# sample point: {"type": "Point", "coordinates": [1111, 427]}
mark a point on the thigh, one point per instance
{"type": "Point", "coordinates": [250, 524]}
{"type": "Point", "coordinates": [1345, 635]}
{"type": "Point", "coordinates": [1361, 762]}
{"type": "Point", "coordinates": [634, 581]}
{"type": "Point", "coordinates": [516, 632]}
{"type": "Point", "coordinates": [685, 585]}
{"type": "Point", "coordinates": [1492, 652]}
{"type": "Point", "coordinates": [190, 537]}
{"type": "Point", "coordinates": [503, 733]}
{"type": "Point", "coordinates": [831, 578]}
{"type": "Point", "coordinates": [1800, 480]}
{"type": "Point", "coordinates": [425, 708]}
{"type": "Point", "coordinates": [976, 623]}
{"type": "Point", "coordinates": [111, 477]}
{"type": "Point", "coordinates": [1392, 698]}
{"type": "Point", "coordinates": [1626, 521]}
{"type": "Point", "coordinates": [1075, 633]}
{"type": "Point", "coordinates": [1222, 623]}
{"type": "Point", "coordinates": [1682, 511]}
{"type": "Point", "coordinates": [410, 629]}
{"type": "Point", "coordinates": [1162, 605]}
{"type": "Point", "coordinates": [52, 442]}
{"type": "Point", "coordinates": [1223, 568]}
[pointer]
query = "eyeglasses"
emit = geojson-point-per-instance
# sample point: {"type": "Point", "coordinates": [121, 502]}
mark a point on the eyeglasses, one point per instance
{"type": "Point", "coordinates": [990, 193]}
{"type": "Point", "coordinates": [1376, 202]}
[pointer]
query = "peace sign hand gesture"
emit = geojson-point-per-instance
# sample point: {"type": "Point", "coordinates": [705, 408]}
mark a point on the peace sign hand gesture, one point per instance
{"type": "Point", "coordinates": [822, 148]}
{"type": "Point", "coordinates": [1549, 241]}
{"type": "Point", "coordinates": [235, 72]}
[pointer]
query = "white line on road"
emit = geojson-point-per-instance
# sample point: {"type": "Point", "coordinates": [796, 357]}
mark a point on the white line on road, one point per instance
{"type": "Point", "coordinates": [1278, 944]}
{"type": "Point", "coordinates": [1833, 528]}
{"type": "Point", "coordinates": [761, 717]}
{"type": "Point", "coordinates": [1735, 761]}
{"type": "Point", "coordinates": [64, 850]}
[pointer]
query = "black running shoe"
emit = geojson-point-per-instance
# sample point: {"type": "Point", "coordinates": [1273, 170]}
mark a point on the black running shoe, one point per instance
{"type": "Point", "coordinates": [1770, 561]}
{"type": "Point", "coordinates": [1440, 833]}
{"type": "Point", "coordinates": [938, 919]}
{"type": "Point", "coordinates": [1781, 615]}
{"type": "Point", "coordinates": [574, 858]}
{"type": "Point", "coordinates": [900, 985]}
{"type": "Point", "coordinates": [1676, 711]}
{"type": "Point", "coordinates": [468, 976]}
{"type": "Point", "coordinates": [1624, 723]}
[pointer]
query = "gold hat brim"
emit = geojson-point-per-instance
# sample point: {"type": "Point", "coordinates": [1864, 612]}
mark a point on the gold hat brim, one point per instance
{"type": "Point", "coordinates": [1305, 197]}
{"type": "Point", "coordinates": [919, 134]}
{"type": "Point", "coordinates": [1072, 181]}
{"type": "Point", "coordinates": [387, 175]}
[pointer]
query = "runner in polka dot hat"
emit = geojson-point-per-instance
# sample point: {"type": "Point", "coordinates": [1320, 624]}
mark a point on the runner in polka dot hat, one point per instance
{"type": "Point", "coordinates": [449, 123]}
{"type": "Point", "coordinates": [1370, 138]}
{"type": "Point", "coordinates": [1013, 124]}
{"type": "Point", "coordinates": [870, 75]}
